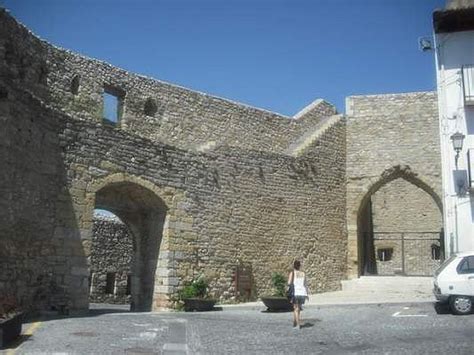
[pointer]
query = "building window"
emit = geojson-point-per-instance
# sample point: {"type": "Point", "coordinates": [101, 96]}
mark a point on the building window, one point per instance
{"type": "Point", "coordinates": [468, 84]}
{"type": "Point", "coordinates": [384, 254]}
{"type": "Point", "coordinates": [435, 252]}
{"type": "Point", "coordinates": [113, 104]}
{"type": "Point", "coordinates": [110, 283]}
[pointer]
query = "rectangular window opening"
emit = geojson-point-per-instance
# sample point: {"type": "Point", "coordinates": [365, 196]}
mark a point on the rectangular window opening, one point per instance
{"type": "Point", "coordinates": [385, 254]}
{"type": "Point", "coordinates": [435, 252]}
{"type": "Point", "coordinates": [113, 104]}
{"type": "Point", "coordinates": [110, 283]}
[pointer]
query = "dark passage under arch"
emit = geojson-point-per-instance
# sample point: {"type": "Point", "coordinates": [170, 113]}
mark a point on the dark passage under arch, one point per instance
{"type": "Point", "coordinates": [398, 223]}
{"type": "Point", "coordinates": [144, 214]}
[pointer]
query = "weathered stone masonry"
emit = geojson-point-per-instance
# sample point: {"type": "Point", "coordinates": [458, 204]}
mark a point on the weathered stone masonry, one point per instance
{"type": "Point", "coordinates": [204, 184]}
{"type": "Point", "coordinates": [392, 137]}
{"type": "Point", "coordinates": [110, 261]}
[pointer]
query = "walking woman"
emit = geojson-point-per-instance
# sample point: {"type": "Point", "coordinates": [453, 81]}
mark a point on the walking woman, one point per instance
{"type": "Point", "coordinates": [297, 280]}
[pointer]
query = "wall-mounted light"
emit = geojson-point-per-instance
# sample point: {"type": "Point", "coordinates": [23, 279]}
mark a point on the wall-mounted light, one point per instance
{"type": "Point", "coordinates": [425, 44]}
{"type": "Point", "coordinates": [457, 139]}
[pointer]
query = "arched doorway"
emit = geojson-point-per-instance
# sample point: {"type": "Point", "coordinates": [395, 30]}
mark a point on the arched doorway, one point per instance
{"type": "Point", "coordinates": [144, 213]}
{"type": "Point", "coordinates": [399, 227]}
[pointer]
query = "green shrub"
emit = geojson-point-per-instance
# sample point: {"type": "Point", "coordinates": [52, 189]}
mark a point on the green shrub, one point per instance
{"type": "Point", "coordinates": [196, 289]}
{"type": "Point", "coordinates": [279, 284]}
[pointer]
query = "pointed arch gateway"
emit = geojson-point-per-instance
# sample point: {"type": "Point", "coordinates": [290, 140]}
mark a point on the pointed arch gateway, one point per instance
{"type": "Point", "coordinates": [137, 204]}
{"type": "Point", "coordinates": [364, 251]}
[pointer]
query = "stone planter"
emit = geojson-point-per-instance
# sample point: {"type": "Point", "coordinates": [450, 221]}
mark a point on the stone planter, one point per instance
{"type": "Point", "coordinates": [277, 303]}
{"type": "Point", "coordinates": [10, 329]}
{"type": "Point", "coordinates": [198, 304]}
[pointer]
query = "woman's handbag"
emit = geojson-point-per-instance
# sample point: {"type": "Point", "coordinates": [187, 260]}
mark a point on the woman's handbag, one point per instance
{"type": "Point", "coordinates": [290, 292]}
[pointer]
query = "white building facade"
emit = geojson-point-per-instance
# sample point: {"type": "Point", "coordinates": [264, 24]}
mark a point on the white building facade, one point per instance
{"type": "Point", "coordinates": [454, 39]}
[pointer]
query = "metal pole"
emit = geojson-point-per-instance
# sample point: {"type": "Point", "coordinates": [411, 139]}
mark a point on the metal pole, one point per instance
{"type": "Point", "coordinates": [403, 253]}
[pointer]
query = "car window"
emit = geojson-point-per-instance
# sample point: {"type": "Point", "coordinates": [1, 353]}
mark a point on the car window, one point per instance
{"type": "Point", "coordinates": [444, 264]}
{"type": "Point", "coordinates": [466, 266]}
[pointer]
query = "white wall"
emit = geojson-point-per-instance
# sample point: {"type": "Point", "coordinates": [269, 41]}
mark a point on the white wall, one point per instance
{"type": "Point", "coordinates": [453, 51]}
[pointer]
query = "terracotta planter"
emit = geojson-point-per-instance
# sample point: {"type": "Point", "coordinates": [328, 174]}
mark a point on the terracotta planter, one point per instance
{"type": "Point", "coordinates": [10, 329]}
{"type": "Point", "coordinates": [198, 304]}
{"type": "Point", "coordinates": [277, 303]}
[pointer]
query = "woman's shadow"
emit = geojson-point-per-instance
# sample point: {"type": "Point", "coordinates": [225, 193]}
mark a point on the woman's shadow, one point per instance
{"type": "Point", "coordinates": [308, 323]}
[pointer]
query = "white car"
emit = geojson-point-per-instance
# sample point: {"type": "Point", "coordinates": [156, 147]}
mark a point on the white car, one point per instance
{"type": "Point", "coordinates": [454, 283]}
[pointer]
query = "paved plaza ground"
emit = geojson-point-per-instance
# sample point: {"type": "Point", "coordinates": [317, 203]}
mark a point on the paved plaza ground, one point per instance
{"type": "Point", "coordinates": [413, 328]}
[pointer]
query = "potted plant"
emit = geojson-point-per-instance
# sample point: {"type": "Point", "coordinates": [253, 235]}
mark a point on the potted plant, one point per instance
{"type": "Point", "coordinates": [278, 301]}
{"type": "Point", "coordinates": [195, 298]}
{"type": "Point", "coordinates": [11, 318]}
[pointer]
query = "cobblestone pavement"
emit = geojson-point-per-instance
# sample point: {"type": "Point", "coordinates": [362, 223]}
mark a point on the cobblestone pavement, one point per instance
{"type": "Point", "coordinates": [363, 329]}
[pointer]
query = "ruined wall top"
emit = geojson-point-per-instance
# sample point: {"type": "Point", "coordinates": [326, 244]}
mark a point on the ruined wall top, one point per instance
{"type": "Point", "coordinates": [150, 108]}
{"type": "Point", "coordinates": [459, 4]}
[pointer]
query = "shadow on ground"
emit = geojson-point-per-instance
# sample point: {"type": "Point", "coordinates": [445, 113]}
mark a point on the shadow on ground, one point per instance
{"type": "Point", "coordinates": [15, 344]}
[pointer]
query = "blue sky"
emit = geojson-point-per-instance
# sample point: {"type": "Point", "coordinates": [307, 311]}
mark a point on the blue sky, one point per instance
{"type": "Point", "coordinates": [279, 55]}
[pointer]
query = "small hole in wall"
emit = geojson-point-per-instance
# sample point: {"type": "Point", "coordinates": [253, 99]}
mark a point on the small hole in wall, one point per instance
{"type": "Point", "coordinates": [150, 107]}
{"type": "Point", "coordinates": [3, 93]}
{"type": "Point", "coordinates": [75, 82]}
{"type": "Point", "coordinates": [129, 285]}
{"type": "Point", "coordinates": [110, 283]}
{"type": "Point", "coordinates": [43, 75]}
{"type": "Point", "coordinates": [10, 54]}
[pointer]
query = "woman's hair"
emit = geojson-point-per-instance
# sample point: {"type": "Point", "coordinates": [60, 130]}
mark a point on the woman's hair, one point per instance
{"type": "Point", "coordinates": [297, 264]}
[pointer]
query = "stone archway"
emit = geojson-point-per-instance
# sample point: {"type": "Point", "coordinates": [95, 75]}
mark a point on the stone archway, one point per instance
{"type": "Point", "coordinates": [139, 207]}
{"type": "Point", "coordinates": [357, 217]}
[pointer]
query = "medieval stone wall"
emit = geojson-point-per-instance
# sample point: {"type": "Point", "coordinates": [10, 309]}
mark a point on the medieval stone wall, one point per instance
{"type": "Point", "coordinates": [241, 207]}
{"type": "Point", "coordinates": [400, 206]}
{"type": "Point", "coordinates": [179, 117]}
{"type": "Point", "coordinates": [401, 210]}
{"type": "Point", "coordinates": [192, 210]}
{"type": "Point", "coordinates": [391, 137]}
{"type": "Point", "coordinates": [111, 257]}
{"type": "Point", "coordinates": [39, 237]}
{"type": "Point", "coordinates": [205, 185]}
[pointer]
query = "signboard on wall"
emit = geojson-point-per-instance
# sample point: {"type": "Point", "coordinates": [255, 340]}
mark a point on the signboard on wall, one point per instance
{"type": "Point", "coordinates": [244, 281]}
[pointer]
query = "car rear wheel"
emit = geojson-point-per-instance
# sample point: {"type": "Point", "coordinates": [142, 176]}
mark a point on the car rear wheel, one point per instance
{"type": "Point", "coordinates": [460, 304]}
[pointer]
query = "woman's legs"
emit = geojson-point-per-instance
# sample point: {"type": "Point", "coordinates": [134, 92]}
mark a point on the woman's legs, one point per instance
{"type": "Point", "coordinates": [298, 315]}
{"type": "Point", "coordinates": [295, 314]}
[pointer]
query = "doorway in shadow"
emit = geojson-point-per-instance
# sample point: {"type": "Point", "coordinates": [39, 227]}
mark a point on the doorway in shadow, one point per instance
{"type": "Point", "coordinates": [111, 257]}
{"type": "Point", "coordinates": [399, 227]}
{"type": "Point", "coordinates": [142, 214]}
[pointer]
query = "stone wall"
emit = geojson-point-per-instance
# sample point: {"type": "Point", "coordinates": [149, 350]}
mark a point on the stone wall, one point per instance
{"type": "Point", "coordinates": [391, 137]}
{"type": "Point", "coordinates": [400, 206]}
{"type": "Point", "coordinates": [178, 116]}
{"type": "Point", "coordinates": [201, 183]}
{"type": "Point", "coordinates": [39, 236]}
{"type": "Point", "coordinates": [205, 185]}
{"type": "Point", "coordinates": [111, 253]}
{"type": "Point", "coordinates": [401, 210]}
